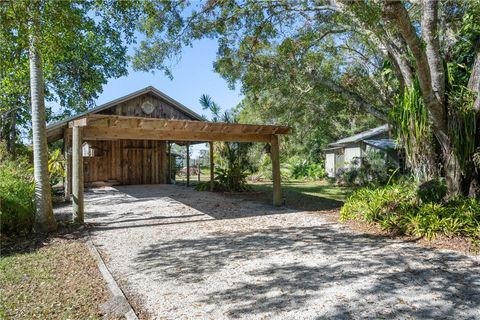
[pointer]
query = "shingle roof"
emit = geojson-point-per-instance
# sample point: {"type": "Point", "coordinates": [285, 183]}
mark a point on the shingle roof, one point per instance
{"type": "Point", "coordinates": [361, 136]}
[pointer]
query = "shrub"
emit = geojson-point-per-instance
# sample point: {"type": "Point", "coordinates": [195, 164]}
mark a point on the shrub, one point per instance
{"type": "Point", "coordinates": [398, 208]}
{"type": "Point", "coordinates": [433, 191]}
{"type": "Point", "coordinates": [227, 180]}
{"type": "Point", "coordinates": [16, 197]}
{"type": "Point", "coordinates": [426, 221]}
{"type": "Point", "coordinates": [463, 217]}
{"type": "Point", "coordinates": [56, 165]}
{"type": "Point", "coordinates": [371, 169]}
{"type": "Point", "coordinates": [303, 169]}
{"type": "Point", "coordinates": [234, 179]}
{"type": "Point", "coordinates": [205, 186]}
{"type": "Point", "coordinates": [372, 204]}
{"type": "Point", "coordinates": [17, 189]}
{"type": "Point", "coordinates": [263, 169]}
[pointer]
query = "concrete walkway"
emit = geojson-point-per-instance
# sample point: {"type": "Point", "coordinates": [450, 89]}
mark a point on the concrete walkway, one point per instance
{"type": "Point", "coordinates": [197, 255]}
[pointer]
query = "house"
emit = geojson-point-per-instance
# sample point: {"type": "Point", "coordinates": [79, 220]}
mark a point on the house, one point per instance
{"type": "Point", "coordinates": [127, 141]}
{"type": "Point", "coordinates": [344, 153]}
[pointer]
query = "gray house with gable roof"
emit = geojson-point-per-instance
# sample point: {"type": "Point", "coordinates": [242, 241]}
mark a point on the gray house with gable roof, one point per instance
{"type": "Point", "coordinates": [342, 154]}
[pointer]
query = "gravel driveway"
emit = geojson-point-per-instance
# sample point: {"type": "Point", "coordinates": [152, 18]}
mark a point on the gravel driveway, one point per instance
{"type": "Point", "coordinates": [197, 255]}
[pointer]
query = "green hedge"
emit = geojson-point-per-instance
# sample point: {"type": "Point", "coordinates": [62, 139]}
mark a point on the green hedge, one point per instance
{"type": "Point", "coordinates": [16, 197]}
{"type": "Point", "coordinates": [398, 208]}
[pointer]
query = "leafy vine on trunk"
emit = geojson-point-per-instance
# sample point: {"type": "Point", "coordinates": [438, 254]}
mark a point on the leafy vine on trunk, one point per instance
{"type": "Point", "coordinates": [413, 131]}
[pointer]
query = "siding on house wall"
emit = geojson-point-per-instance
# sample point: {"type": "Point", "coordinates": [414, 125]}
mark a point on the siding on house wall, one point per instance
{"type": "Point", "coordinates": [132, 161]}
{"type": "Point", "coordinates": [351, 152]}
{"type": "Point", "coordinates": [127, 162]}
{"type": "Point", "coordinates": [330, 163]}
{"type": "Point", "coordinates": [133, 108]}
{"type": "Point", "coordinates": [339, 159]}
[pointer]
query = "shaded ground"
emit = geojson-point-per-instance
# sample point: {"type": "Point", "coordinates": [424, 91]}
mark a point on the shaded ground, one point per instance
{"type": "Point", "coordinates": [304, 195]}
{"type": "Point", "coordinates": [52, 278]}
{"type": "Point", "coordinates": [191, 255]}
{"type": "Point", "coordinates": [323, 196]}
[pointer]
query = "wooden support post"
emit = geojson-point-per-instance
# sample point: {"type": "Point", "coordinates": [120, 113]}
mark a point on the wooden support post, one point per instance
{"type": "Point", "coordinates": [67, 148]}
{"type": "Point", "coordinates": [188, 163]}
{"type": "Point", "coordinates": [198, 168]}
{"type": "Point", "coordinates": [77, 175]}
{"type": "Point", "coordinates": [169, 161]}
{"type": "Point", "coordinates": [274, 154]}
{"type": "Point", "coordinates": [212, 168]}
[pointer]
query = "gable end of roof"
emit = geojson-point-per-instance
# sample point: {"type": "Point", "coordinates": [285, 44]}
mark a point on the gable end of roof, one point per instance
{"type": "Point", "coordinates": [127, 97]}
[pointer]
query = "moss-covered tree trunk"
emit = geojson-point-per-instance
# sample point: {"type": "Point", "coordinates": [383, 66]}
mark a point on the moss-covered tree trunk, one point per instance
{"type": "Point", "coordinates": [460, 173]}
{"type": "Point", "coordinates": [474, 86]}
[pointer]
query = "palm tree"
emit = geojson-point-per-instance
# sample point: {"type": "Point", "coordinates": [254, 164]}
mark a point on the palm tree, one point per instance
{"type": "Point", "coordinates": [232, 156]}
{"type": "Point", "coordinates": [44, 219]}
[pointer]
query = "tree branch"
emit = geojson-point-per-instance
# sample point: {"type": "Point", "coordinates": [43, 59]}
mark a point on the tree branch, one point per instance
{"type": "Point", "coordinates": [395, 11]}
{"type": "Point", "coordinates": [398, 52]}
{"type": "Point", "coordinates": [389, 41]}
{"type": "Point", "coordinates": [351, 96]}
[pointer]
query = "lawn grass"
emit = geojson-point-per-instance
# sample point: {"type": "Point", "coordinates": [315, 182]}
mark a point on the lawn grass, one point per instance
{"type": "Point", "coordinates": [58, 280]}
{"type": "Point", "coordinates": [306, 195]}
{"type": "Point", "coordinates": [298, 194]}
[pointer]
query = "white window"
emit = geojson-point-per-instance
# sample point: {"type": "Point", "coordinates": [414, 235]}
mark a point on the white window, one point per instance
{"type": "Point", "coordinates": [87, 150]}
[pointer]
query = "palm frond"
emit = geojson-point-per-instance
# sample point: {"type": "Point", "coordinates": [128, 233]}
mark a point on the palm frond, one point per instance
{"type": "Point", "coordinates": [206, 102]}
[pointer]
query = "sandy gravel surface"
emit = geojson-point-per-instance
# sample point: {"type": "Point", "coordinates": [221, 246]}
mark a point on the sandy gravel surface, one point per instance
{"type": "Point", "coordinates": [197, 255]}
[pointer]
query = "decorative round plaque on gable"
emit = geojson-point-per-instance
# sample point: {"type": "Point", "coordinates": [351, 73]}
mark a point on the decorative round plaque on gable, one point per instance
{"type": "Point", "coordinates": [147, 107]}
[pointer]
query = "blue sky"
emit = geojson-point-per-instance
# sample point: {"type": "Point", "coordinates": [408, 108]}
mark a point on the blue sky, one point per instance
{"type": "Point", "coordinates": [193, 76]}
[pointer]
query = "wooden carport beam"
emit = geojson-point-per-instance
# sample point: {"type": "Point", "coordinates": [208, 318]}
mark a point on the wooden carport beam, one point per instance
{"type": "Point", "coordinates": [110, 127]}
{"type": "Point", "coordinates": [123, 122]}
{"type": "Point", "coordinates": [274, 154]}
{"type": "Point", "coordinates": [92, 133]}
{"type": "Point", "coordinates": [77, 175]}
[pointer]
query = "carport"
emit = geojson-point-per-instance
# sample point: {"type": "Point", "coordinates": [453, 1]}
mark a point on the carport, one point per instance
{"type": "Point", "coordinates": [127, 141]}
{"type": "Point", "coordinates": [112, 127]}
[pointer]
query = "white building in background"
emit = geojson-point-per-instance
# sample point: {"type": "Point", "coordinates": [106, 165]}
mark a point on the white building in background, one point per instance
{"type": "Point", "coordinates": [342, 154]}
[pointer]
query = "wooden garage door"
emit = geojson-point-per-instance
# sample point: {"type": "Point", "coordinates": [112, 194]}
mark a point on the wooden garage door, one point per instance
{"type": "Point", "coordinates": [137, 165]}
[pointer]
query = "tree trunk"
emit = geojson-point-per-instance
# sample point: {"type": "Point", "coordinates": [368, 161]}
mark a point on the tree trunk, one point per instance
{"type": "Point", "coordinates": [8, 130]}
{"type": "Point", "coordinates": [12, 138]}
{"type": "Point", "coordinates": [44, 219]}
{"type": "Point", "coordinates": [2, 127]}
{"type": "Point", "coordinates": [474, 187]}
{"type": "Point", "coordinates": [474, 81]}
{"type": "Point", "coordinates": [395, 11]}
{"type": "Point", "coordinates": [432, 48]}
{"type": "Point", "coordinates": [431, 76]}
{"type": "Point", "coordinates": [474, 85]}
{"type": "Point", "coordinates": [453, 175]}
